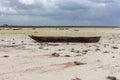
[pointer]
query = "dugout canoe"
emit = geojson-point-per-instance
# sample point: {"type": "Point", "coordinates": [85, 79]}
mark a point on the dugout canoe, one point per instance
{"type": "Point", "coordinates": [66, 39]}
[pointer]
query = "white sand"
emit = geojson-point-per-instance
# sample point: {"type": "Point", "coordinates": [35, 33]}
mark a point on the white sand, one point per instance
{"type": "Point", "coordinates": [26, 61]}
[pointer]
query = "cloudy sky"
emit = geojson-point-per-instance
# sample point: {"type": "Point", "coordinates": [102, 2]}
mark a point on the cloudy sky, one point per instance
{"type": "Point", "coordinates": [60, 12]}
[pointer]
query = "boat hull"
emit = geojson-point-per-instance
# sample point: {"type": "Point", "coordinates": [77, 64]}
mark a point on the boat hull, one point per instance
{"type": "Point", "coordinates": [67, 39]}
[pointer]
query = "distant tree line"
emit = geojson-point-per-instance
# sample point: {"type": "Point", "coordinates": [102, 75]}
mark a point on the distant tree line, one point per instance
{"type": "Point", "coordinates": [6, 25]}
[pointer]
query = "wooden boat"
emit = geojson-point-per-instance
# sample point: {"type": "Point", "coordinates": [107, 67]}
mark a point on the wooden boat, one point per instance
{"type": "Point", "coordinates": [66, 39]}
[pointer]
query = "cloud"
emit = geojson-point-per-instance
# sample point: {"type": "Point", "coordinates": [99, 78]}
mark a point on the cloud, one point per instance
{"type": "Point", "coordinates": [60, 12]}
{"type": "Point", "coordinates": [26, 2]}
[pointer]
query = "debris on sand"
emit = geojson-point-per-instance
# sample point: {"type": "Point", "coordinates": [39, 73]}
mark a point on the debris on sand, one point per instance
{"type": "Point", "coordinates": [76, 79]}
{"type": "Point", "coordinates": [97, 49]}
{"type": "Point", "coordinates": [53, 44]}
{"type": "Point", "coordinates": [11, 45]}
{"type": "Point", "coordinates": [105, 45]}
{"type": "Point", "coordinates": [84, 53]}
{"type": "Point", "coordinates": [6, 56]}
{"type": "Point", "coordinates": [85, 50]}
{"type": "Point", "coordinates": [111, 78]}
{"type": "Point", "coordinates": [113, 56]}
{"type": "Point", "coordinates": [98, 61]}
{"type": "Point", "coordinates": [105, 52]}
{"type": "Point", "coordinates": [2, 40]}
{"type": "Point", "coordinates": [115, 47]}
{"type": "Point", "coordinates": [77, 51]}
{"type": "Point", "coordinates": [55, 54]}
{"type": "Point", "coordinates": [78, 63]}
{"type": "Point", "coordinates": [78, 55]}
{"type": "Point", "coordinates": [72, 50]}
{"type": "Point", "coordinates": [22, 42]}
{"type": "Point", "coordinates": [67, 56]}
{"type": "Point", "coordinates": [61, 49]}
{"type": "Point", "coordinates": [41, 47]}
{"type": "Point", "coordinates": [76, 30]}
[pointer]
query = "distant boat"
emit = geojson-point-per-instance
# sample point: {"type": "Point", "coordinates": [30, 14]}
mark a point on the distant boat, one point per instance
{"type": "Point", "coordinates": [66, 39]}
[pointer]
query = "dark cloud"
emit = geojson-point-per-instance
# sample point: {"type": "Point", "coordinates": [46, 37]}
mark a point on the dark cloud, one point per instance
{"type": "Point", "coordinates": [60, 12]}
{"type": "Point", "coordinates": [106, 1]}
{"type": "Point", "coordinates": [71, 5]}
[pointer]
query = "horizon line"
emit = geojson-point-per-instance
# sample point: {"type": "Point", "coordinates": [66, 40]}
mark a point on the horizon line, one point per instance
{"type": "Point", "coordinates": [49, 26]}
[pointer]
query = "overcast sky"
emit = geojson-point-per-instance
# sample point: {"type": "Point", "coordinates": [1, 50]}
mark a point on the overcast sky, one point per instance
{"type": "Point", "coordinates": [60, 12]}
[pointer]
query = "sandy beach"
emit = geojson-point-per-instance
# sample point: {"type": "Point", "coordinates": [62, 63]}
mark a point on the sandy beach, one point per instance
{"type": "Point", "coordinates": [22, 58]}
